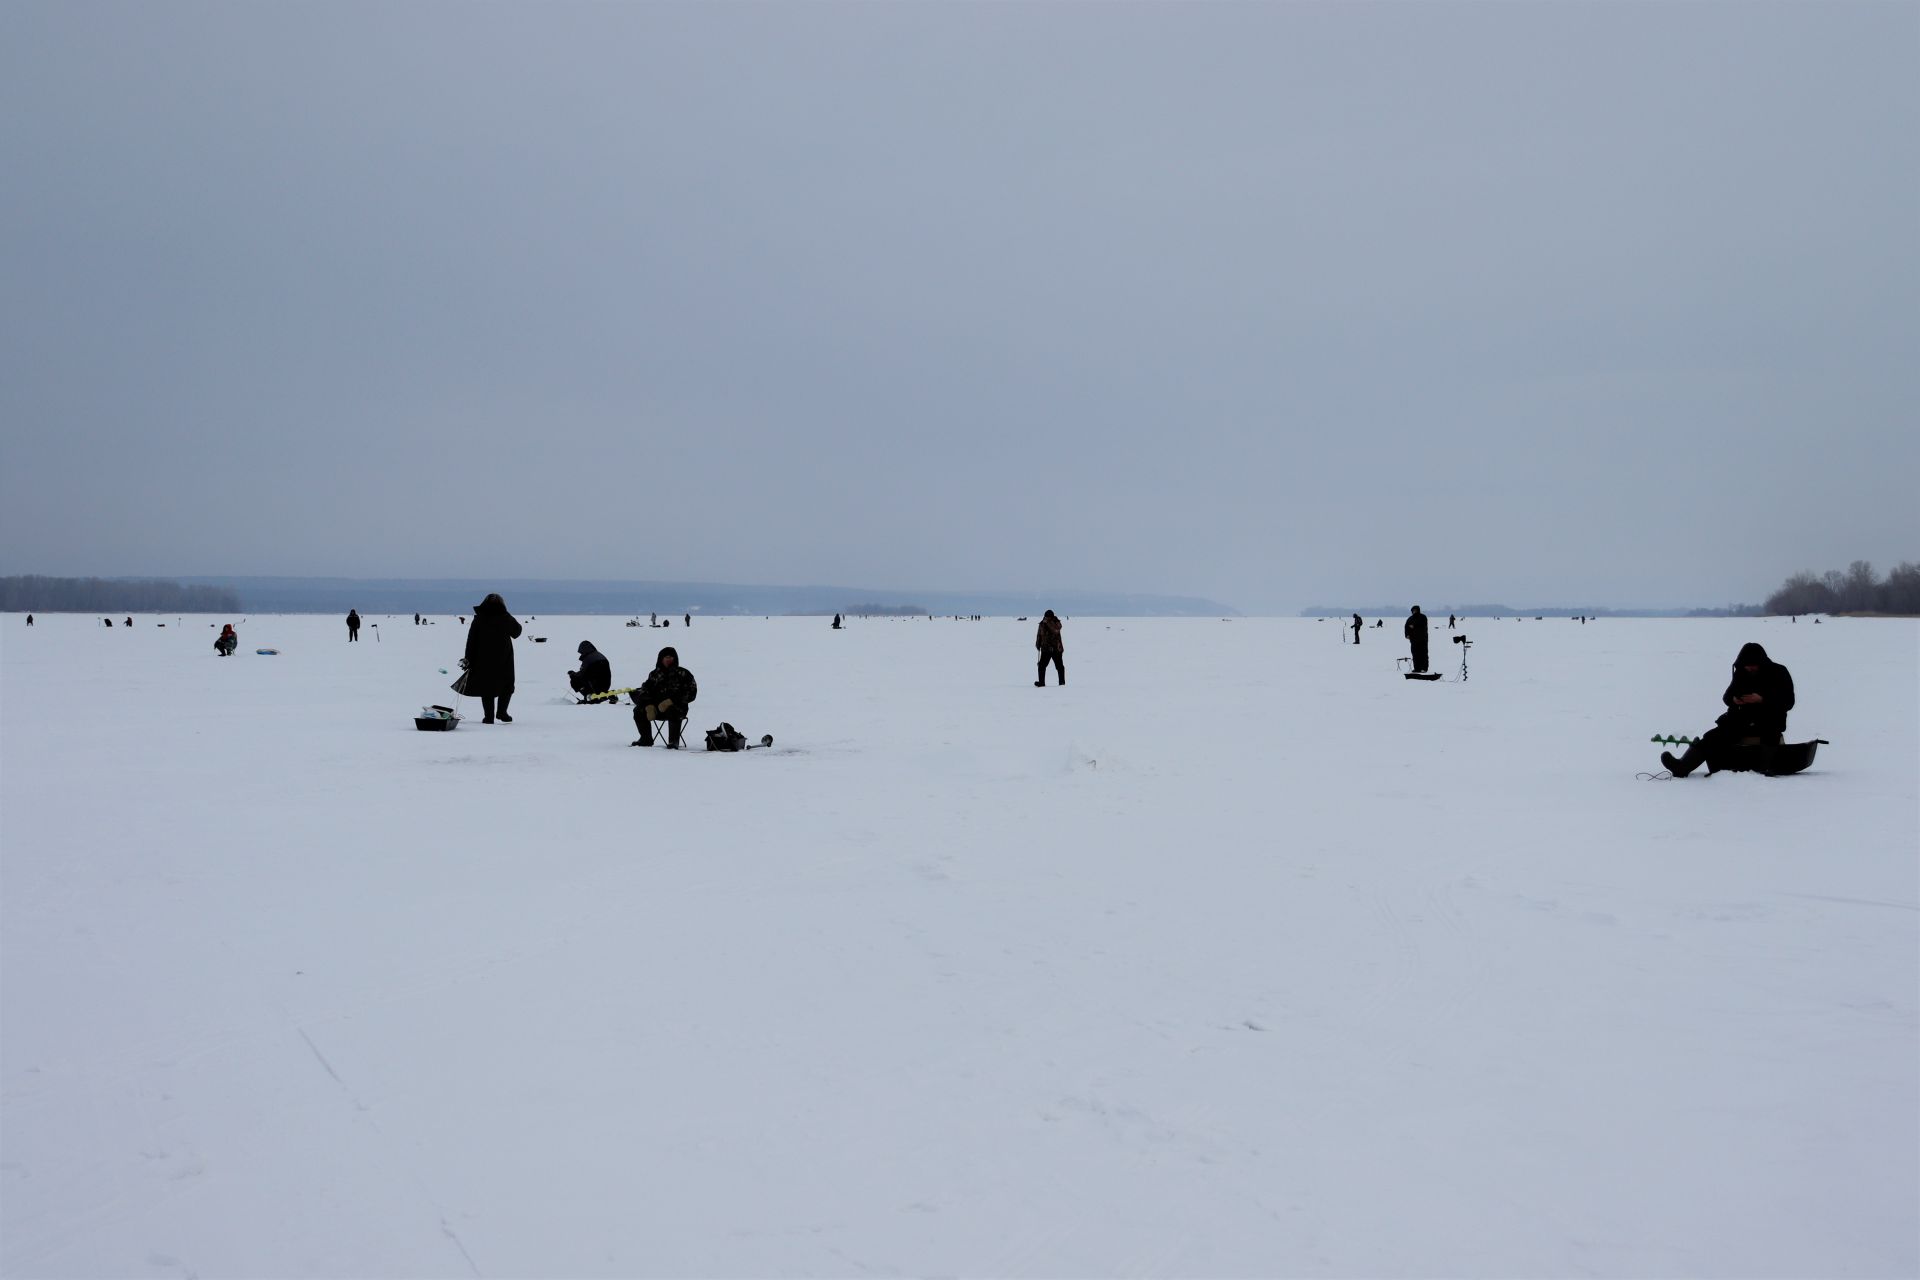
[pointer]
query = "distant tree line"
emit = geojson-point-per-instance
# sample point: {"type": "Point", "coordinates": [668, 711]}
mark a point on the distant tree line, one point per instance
{"type": "Point", "coordinates": [35, 594]}
{"type": "Point", "coordinates": [1855, 591]}
{"type": "Point", "coordinates": [884, 610]}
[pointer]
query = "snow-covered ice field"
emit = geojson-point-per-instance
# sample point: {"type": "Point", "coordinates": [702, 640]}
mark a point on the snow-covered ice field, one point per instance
{"type": "Point", "coordinates": [1239, 956]}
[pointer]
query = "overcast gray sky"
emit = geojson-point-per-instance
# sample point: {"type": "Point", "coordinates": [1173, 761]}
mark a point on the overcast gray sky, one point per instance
{"type": "Point", "coordinates": [1276, 303]}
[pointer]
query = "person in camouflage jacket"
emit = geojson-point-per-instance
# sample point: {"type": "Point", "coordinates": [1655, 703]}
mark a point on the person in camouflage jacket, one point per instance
{"type": "Point", "coordinates": [664, 695]}
{"type": "Point", "coordinates": [1052, 647]}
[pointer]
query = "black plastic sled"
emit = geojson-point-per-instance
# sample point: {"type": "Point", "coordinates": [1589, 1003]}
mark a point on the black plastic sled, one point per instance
{"type": "Point", "coordinates": [1773, 761]}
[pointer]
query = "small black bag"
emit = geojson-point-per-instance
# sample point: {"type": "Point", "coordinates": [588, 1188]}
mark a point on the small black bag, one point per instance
{"type": "Point", "coordinates": [726, 738]}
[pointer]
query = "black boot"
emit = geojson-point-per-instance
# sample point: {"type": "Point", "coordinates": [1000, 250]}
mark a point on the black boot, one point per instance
{"type": "Point", "coordinates": [486, 708]}
{"type": "Point", "coordinates": [501, 709]}
{"type": "Point", "coordinates": [1686, 764]}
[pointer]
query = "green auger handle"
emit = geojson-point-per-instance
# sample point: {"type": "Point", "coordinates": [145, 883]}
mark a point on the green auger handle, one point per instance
{"type": "Point", "coordinates": [1672, 741]}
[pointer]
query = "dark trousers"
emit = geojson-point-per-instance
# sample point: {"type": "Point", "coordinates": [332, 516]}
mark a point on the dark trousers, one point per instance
{"type": "Point", "coordinates": [1059, 664]}
{"type": "Point", "coordinates": [353, 633]}
{"type": "Point", "coordinates": [645, 726]}
{"type": "Point", "coordinates": [1736, 746]}
{"type": "Point", "coordinates": [1419, 655]}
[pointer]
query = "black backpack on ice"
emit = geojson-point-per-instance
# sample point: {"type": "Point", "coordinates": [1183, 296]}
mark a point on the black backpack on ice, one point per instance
{"type": "Point", "coordinates": [726, 738]}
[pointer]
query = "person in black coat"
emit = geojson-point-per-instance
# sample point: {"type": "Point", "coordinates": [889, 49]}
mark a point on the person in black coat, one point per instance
{"type": "Point", "coordinates": [1415, 631]}
{"type": "Point", "coordinates": [489, 660]}
{"type": "Point", "coordinates": [664, 695]}
{"type": "Point", "coordinates": [1757, 699]}
{"type": "Point", "coordinates": [353, 624]}
{"type": "Point", "coordinates": [595, 674]}
{"type": "Point", "coordinates": [1356, 628]}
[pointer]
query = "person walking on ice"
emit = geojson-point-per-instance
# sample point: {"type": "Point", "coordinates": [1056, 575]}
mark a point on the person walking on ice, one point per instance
{"type": "Point", "coordinates": [1053, 648]}
{"type": "Point", "coordinates": [1357, 624]}
{"type": "Point", "coordinates": [353, 625]}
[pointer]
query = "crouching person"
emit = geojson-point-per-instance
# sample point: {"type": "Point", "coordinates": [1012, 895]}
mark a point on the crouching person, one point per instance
{"type": "Point", "coordinates": [1758, 699]}
{"type": "Point", "coordinates": [595, 675]}
{"type": "Point", "coordinates": [667, 691]}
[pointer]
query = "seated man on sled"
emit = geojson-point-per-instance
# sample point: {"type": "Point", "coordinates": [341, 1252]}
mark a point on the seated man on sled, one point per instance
{"type": "Point", "coordinates": [664, 695]}
{"type": "Point", "coordinates": [1755, 722]}
{"type": "Point", "coordinates": [595, 674]}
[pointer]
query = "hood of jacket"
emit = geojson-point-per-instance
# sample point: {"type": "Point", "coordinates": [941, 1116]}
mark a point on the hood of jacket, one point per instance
{"type": "Point", "coordinates": [1752, 655]}
{"type": "Point", "coordinates": [586, 647]}
{"type": "Point", "coordinates": [492, 604]}
{"type": "Point", "coordinates": [661, 657]}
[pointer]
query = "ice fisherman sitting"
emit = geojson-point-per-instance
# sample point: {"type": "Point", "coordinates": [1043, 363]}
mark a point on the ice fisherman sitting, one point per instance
{"type": "Point", "coordinates": [665, 695]}
{"type": "Point", "coordinates": [1758, 699]}
{"type": "Point", "coordinates": [595, 674]}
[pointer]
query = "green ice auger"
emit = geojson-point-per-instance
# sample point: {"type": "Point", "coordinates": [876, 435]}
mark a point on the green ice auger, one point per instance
{"type": "Point", "coordinates": [1672, 741]}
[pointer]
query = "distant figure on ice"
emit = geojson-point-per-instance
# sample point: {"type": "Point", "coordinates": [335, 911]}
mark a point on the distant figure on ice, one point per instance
{"type": "Point", "coordinates": [1053, 648]}
{"type": "Point", "coordinates": [1415, 631]}
{"type": "Point", "coordinates": [664, 695]}
{"type": "Point", "coordinates": [108, 621]}
{"type": "Point", "coordinates": [129, 622]}
{"type": "Point", "coordinates": [836, 622]}
{"type": "Point", "coordinates": [1758, 699]}
{"type": "Point", "coordinates": [686, 619]}
{"type": "Point", "coordinates": [1450, 622]}
{"type": "Point", "coordinates": [353, 625]}
{"type": "Point", "coordinates": [489, 660]}
{"type": "Point", "coordinates": [29, 619]}
{"type": "Point", "coordinates": [416, 619]}
{"type": "Point", "coordinates": [1357, 624]}
{"type": "Point", "coordinates": [227, 642]}
{"type": "Point", "coordinates": [595, 674]}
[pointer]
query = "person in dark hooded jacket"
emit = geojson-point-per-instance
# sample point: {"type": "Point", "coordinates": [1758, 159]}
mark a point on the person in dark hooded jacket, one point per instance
{"type": "Point", "coordinates": [1047, 638]}
{"type": "Point", "coordinates": [1415, 630]}
{"type": "Point", "coordinates": [489, 660]}
{"type": "Point", "coordinates": [595, 674]}
{"type": "Point", "coordinates": [1757, 698]}
{"type": "Point", "coordinates": [664, 695]}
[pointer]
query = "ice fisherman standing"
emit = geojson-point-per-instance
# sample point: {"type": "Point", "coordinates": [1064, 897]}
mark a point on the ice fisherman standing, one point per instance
{"type": "Point", "coordinates": [489, 660]}
{"type": "Point", "coordinates": [1415, 631]}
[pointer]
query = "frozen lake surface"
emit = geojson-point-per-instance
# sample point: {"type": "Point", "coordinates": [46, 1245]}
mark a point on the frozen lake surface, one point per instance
{"type": "Point", "coordinates": [1239, 956]}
